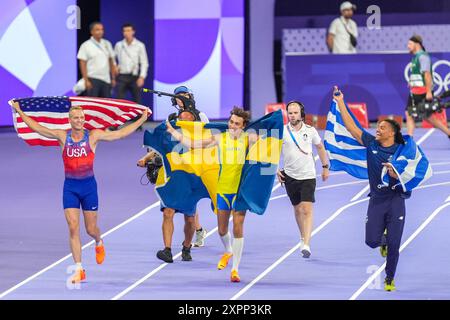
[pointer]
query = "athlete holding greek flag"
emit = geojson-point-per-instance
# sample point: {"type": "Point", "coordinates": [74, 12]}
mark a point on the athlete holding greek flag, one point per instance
{"type": "Point", "coordinates": [386, 209]}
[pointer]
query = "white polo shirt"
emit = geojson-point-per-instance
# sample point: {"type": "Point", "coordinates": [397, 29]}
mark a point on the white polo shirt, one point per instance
{"type": "Point", "coordinates": [298, 165]}
{"type": "Point", "coordinates": [97, 55]}
{"type": "Point", "coordinates": [132, 57]}
{"type": "Point", "coordinates": [341, 42]}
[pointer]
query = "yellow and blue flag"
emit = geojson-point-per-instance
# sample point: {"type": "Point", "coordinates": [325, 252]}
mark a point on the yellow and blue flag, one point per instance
{"type": "Point", "coordinates": [189, 175]}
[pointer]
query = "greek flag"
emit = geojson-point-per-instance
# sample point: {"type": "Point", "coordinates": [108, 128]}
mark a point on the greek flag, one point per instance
{"type": "Point", "coordinates": [344, 151]}
{"type": "Point", "coordinates": [347, 154]}
{"type": "Point", "coordinates": [410, 164]}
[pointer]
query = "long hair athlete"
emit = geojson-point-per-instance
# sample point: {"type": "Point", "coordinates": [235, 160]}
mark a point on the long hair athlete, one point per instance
{"type": "Point", "coordinates": [233, 145]}
{"type": "Point", "coordinates": [386, 211]}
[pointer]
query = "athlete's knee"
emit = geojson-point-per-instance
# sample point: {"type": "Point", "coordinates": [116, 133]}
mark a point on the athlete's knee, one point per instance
{"type": "Point", "coordinates": [222, 230]}
{"type": "Point", "coordinates": [73, 226]}
{"type": "Point", "coordinates": [74, 230]}
{"type": "Point", "coordinates": [298, 210]}
{"type": "Point", "coordinates": [305, 209]}
{"type": "Point", "coordinates": [168, 214]}
{"type": "Point", "coordinates": [91, 230]}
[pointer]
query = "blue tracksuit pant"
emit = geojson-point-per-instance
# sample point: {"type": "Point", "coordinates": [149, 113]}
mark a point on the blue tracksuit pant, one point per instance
{"type": "Point", "coordinates": [387, 212]}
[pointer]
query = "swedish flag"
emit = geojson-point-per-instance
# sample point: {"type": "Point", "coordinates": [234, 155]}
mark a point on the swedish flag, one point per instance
{"type": "Point", "coordinates": [189, 175]}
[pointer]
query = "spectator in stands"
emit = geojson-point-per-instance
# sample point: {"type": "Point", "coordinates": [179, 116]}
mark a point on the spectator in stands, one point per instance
{"type": "Point", "coordinates": [343, 31]}
{"type": "Point", "coordinates": [133, 64]}
{"type": "Point", "coordinates": [97, 63]}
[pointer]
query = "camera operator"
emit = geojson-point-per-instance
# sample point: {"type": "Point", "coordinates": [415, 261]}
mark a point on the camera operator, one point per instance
{"type": "Point", "coordinates": [420, 84]}
{"type": "Point", "coordinates": [187, 112]}
{"type": "Point", "coordinates": [186, 104]}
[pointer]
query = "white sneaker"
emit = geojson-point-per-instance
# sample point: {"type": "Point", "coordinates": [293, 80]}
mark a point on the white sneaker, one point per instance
{"type": "Point", "coordinates": [305, 250]}
{"type": "Point", "coordinates": [200, 238]}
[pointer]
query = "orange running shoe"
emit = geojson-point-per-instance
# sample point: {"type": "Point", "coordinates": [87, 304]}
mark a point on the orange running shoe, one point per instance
{"type": "Point", "coordinates": [79, 276]}
{"type": "Point", "coordinates": [224, 260]}
{"type": "Point", "coordinates": [100, 253]}
{"type": "Point", "coordinates": [235, 276]}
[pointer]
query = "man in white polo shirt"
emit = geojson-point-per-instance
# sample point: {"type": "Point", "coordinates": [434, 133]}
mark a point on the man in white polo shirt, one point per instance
{"type": "Point", "coordinates": [341, 31]}
{"type": "Point", "coordinates": [299, 173]}
{"type": "Point", "coordinates": [133, 64]}
{"type": "Point", "coordinates": [97, 63]}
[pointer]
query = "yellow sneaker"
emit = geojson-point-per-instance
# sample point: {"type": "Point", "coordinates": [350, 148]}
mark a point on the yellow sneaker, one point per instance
{"type": "Point", "coordinates": [79, 276]}
{"type": "Point", "coordinates": [389, 285]}
{"type": "Point", "coordinates": [235, 276]}
{"type": "Point", "coordinates": [224, 260]}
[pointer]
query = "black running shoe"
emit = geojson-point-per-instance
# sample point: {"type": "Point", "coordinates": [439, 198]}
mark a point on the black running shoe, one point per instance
{"type": "Point", "coordinates": [165, 255]}
{"type": "Point", "coordinates": [186, 253]}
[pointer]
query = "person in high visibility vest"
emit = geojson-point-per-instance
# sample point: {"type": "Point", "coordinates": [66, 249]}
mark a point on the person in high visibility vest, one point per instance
{"type": "Point", "coordinates": [421, 83]}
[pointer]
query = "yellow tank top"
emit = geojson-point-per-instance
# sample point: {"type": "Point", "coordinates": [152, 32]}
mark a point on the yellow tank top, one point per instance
{"type": "Point", "coordinates": [232, 153]}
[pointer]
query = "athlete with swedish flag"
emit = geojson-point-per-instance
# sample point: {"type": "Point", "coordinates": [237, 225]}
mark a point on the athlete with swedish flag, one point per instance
{"type": "Point", "coordinates": [233, 146]}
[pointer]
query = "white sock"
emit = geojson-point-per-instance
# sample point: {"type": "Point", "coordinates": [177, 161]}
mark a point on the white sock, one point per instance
{"type": "Point", "coordinates": [238, 246]}
{"type": "Point", "coordinates": [226, 240]}
{"type": "Point", "coordinates": [79, 266]}
{"type": "Point", "coordinates": [99, 243]}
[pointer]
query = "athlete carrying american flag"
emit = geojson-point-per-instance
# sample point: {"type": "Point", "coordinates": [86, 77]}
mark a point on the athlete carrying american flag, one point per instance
{"type": "Point", "coordinates": [77, 125]}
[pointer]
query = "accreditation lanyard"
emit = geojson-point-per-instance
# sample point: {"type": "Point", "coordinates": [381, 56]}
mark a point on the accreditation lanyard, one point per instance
{"type": "Point", "coordinates": [134, 64]}
{"type": "Point", "coordinates": [295, 141]}
{"type": "Point", "coordinates": [98, 45]}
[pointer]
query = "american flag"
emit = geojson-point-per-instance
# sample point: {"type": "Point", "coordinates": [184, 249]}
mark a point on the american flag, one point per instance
{"type": "Point", "coordinates": [53, 113]}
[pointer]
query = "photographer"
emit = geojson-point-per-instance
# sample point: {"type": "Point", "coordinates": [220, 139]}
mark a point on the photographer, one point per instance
{"type": "Point", "coordinates": [187, 112]}
{"type": "Point", "coordinates": [343, 31]}
{"type": "Point", "coordinates": [188, 103]}
{"type": "Point", "coordinates": [420, 85]}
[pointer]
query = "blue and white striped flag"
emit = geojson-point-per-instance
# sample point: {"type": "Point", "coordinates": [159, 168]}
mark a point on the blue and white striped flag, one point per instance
{"type": "Point", "coordinates": [347, 154]}
{"type": "Point", "coordinates": [410, 164]}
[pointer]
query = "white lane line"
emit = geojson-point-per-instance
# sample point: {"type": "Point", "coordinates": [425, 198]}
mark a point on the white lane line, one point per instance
{"type": "Point", "coordinates": [278, 185]}
{"type": "Point", "coordinates": [441, 172]}
{"type": "Point", "coordinates": [359, 194]}
{"type": "Point", "coordinates": [425, 136]}
{"type": "Point", "coordinates": [295, 248]}
{"type": "Point", "coordinates": [323, 187]}
{"type": "Point", "coordinates": [404, 245]}
{"type": "Point", "coordinates": [37, 274]}
{"type": "Point", "coordinates": [439, 163]}
{"type": "Point", "coordinates": [366, 188]}
{"type": "Point", "coordinates": [154, 271]}
{"type": "Point", "coordinates": [287, 254]}
{"type": "Point", "coordinates": [136, 284]}
{"type": "Point", "coordinates": [162, 266]}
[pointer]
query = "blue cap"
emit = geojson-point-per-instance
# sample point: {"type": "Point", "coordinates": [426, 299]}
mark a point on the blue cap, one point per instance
{"type": "Point", "coordinates": [181, 89]}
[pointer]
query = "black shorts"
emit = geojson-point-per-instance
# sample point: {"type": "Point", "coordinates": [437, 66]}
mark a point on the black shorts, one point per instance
{"type": "Point", "coordinates": [300, 190]}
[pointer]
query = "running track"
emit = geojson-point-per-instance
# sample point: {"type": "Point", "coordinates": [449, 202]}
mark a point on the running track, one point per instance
{"type": "Point", "coordinates": [34, 243]}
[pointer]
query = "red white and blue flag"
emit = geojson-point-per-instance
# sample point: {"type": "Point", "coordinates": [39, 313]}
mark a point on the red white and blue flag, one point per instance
{"type": "Point", "coordinates": [53, 113]}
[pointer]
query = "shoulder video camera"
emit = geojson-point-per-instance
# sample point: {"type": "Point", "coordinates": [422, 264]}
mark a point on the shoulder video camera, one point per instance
{"type": "Point", "coordinates": [153, 167]}
{"type": "Point", "coordinates": [425, 109]}
{"type": "Point", "coordinates": [188, 104]}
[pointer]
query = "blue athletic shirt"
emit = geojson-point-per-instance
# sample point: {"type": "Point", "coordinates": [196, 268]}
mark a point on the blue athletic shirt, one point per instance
{"type": "Point", "coordinates": [376, 155]}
